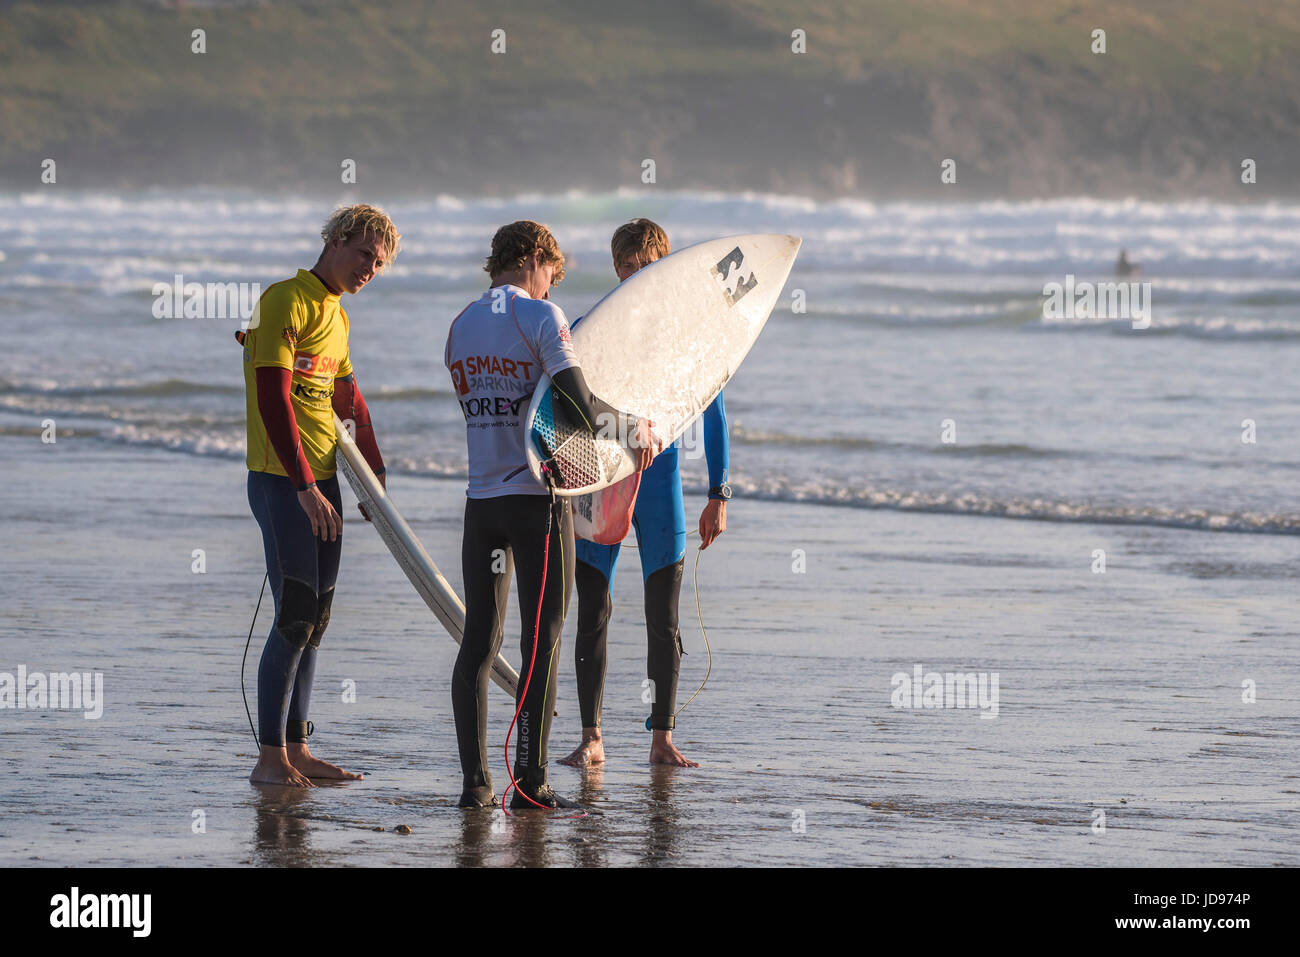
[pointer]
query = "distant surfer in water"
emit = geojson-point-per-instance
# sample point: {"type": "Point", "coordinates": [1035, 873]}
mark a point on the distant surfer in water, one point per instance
{"type": "Point", "coordinates": [297, 375]}
{"type": "Point", "coordinates": [1125, 268]}
{"type": "Point", "coordinates": [660, 520]}
{"type": "Point", "coordinates": [498, 348]}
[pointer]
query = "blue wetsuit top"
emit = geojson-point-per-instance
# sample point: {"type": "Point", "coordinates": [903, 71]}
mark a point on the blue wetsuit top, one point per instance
{"type": "Point", "coordinates": [660, 515]}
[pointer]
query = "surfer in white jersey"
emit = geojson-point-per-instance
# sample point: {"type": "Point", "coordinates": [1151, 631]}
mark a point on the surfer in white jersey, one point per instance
{"type": "Point", "coordinates": [498, 349]}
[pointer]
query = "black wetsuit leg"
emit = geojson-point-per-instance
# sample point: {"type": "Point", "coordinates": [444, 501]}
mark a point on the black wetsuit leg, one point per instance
{"type": "Point", "coordinates": [298, 565]}
{"type": "Point", "coordinates": [486, 565]}
{"type": "Point", "coordinates": [663, 591]}
{"type": "Point", "coordinates": [534, 727]}
{"type": "Point", "coordinates": [595, 607]}
{"type": "Point", "coordinates": [517, 526]}
{"type": "Point", "coordinates": [327, 573]}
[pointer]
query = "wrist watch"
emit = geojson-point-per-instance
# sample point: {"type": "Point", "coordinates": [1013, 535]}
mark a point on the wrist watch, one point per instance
{"type": "Point", "coordinates": [720, 492]}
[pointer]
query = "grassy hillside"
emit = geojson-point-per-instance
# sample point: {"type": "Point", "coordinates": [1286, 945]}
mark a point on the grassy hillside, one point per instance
{"type": "Point", "coordinates": [709, 89]}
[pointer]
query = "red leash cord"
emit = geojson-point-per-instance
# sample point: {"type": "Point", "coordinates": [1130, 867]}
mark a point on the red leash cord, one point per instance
{"type": "Point", "coordinates": [537, 627]}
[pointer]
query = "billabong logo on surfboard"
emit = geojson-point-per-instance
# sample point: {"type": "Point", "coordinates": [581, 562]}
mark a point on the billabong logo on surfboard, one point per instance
{"type": "Point", "coordinates": [662, 344]}
{"type": "Point", "coordinates": [735, 286]}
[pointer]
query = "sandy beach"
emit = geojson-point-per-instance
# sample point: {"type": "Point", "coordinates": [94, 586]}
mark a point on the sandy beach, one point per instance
{"type": "Point", "coordinates": [1119, 692]}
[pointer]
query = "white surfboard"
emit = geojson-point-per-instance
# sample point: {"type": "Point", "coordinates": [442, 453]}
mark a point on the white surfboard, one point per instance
{"type": "Point", "coordinates": [661, 345]}
{"type": "Point", "coordinates": [409, 552]}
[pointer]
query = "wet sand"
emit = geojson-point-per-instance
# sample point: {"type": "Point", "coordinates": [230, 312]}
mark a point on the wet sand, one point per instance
{"type": "Point", "coordinates": [1119, 692]}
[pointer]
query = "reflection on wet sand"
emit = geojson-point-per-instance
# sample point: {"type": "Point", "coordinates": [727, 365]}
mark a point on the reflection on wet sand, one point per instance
{"type": "Point", "coordinates": [664, 823]}
{"type": "Point", "coordinates": [591, 787]}
{"type": "Point", "coordinates": [282, 833]}
{"type": "Point", "coordinates": [477, 836]}
{"type": "Point", "coordinates": [531, 838]}
{"type": "Point", "coordinates": [588, 837]}
{"type": "Point", "coordinates": [526, 832]}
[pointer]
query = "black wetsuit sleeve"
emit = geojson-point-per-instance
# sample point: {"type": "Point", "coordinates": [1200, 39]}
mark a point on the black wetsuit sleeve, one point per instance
{"type": "Point", "coordinates": [588, 408]}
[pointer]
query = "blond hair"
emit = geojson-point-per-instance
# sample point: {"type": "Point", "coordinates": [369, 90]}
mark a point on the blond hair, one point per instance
{"type": "Point", "coordinates": [349, 224]}
{"type": "Point", "coordinates": [515, 242]}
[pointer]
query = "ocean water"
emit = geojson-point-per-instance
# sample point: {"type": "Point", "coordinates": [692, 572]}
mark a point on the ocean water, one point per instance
{"type": "Point", "coordinates": [903, 325]}
{"type": "Point", "coordinates": [914, 315]}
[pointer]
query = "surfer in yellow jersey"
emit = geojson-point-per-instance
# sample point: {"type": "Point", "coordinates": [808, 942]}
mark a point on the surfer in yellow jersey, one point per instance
{"type": "Point", "coordinates": [660, 521]}
{"type": "Point", "coordinates": [298, 375]}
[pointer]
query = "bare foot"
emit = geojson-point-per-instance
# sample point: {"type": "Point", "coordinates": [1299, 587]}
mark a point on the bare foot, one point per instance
{"type": "Point", "coordinates": [313, 767]}
{"type": "Point", "coordinates": [273, 767]}
{"type": "Point", "coordinates": [662, 751]}
{"type": "Point", "coordinates": [591, 751]}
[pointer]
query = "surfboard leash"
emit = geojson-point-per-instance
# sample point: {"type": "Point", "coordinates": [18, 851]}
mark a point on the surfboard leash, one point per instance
{"type": "Point", "coordinates": [695, 581]}
{"type": "Point", "coordinates": [244, 661]}
{"type": "Point", "coordinates": [532, 660]}
{"type": "Point", "coordinates": [699, 613]}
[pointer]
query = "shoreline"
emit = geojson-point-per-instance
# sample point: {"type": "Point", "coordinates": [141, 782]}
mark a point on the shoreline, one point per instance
{"type": "Point", "coordinates": [1118, 692]}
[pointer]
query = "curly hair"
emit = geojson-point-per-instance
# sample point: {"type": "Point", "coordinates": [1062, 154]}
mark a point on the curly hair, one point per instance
{"type": "Point", "coordinates": [515, 242]}
{"type": "Point", "coordinates": [636, 239]}
{"type": "Point", "coordinates": [350, 224]}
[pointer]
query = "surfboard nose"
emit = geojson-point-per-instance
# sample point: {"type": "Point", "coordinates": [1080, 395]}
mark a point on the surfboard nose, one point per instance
{"type": "Point", "coordinates": [787, 244]}
{"type": "Point", "coordinates": [784, 246]}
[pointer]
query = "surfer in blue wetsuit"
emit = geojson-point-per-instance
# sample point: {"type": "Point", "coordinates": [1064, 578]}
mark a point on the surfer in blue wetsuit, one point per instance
{"type": "Point", "coordinates": [660, 520]}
